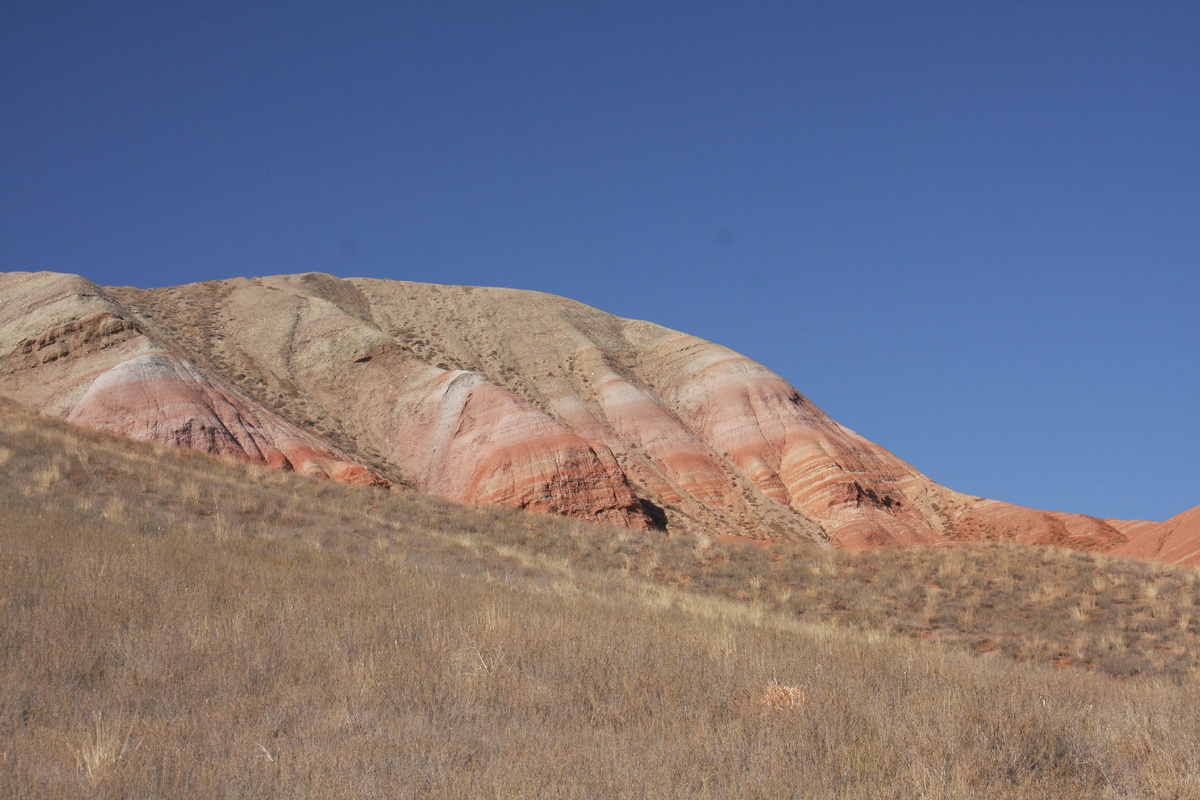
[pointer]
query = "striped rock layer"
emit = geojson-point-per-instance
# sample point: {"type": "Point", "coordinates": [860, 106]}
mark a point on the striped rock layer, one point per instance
{"type": "Point", "coordinates": [492, 396]}
{"type": "Point", "coordinates": [1175, 541]}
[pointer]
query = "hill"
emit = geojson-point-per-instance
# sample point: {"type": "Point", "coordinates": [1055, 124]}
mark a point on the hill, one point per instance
{"type": "Point", "coordinates": [491, 396]}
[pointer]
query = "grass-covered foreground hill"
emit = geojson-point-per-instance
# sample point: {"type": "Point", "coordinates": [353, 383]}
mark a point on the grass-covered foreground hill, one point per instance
{"type": "Point", "coordinates": [175, 626]}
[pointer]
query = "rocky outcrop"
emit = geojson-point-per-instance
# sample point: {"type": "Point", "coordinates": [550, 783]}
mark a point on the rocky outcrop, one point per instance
{"type": "Point", "coordinates": [794, 455]}
{"type": "Point", "coordinates": [464, 438]}
{"type": "Point", "coordinates": [492, 396]}
{"type": "Point", "coordinates": [159, 397]}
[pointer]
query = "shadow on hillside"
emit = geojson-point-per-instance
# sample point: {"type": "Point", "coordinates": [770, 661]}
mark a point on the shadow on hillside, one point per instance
{"type": "Point", "coordinates": [658, 517]}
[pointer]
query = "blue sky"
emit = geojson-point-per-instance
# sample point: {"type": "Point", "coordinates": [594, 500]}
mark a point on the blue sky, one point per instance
{"type": "Point", "coordinates": [969, 231]}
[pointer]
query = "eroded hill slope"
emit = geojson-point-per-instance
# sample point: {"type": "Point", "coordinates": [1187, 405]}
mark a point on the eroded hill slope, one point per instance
{"type": "Point", "coordinates": [484, 396]}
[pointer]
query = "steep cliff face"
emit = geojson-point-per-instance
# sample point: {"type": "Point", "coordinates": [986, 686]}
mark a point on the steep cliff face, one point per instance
{"type": "Point", "coordinates": [490, 396]}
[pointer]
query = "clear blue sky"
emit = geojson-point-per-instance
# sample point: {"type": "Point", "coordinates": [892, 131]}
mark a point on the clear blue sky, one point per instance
{"type": "Point", "coordinates": [969, 231]}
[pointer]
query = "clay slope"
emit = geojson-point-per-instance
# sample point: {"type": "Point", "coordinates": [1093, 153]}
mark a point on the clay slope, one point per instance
{"type": "Point", "coordinates": [503, 396]}
{"type": "Point", "coordinates": [1175, 541]}
{"type": "Point", "coordinates": [72, 349]}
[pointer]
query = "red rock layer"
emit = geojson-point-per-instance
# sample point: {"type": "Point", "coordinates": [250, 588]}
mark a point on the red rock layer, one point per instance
{"type": "Point", "coordinates": [466, 439]}
{"type": "Point", "coordinates": [992, 520]}
{"type": "Point", "coordinates": [159, 397]}
{"type": "Point", "coordinates": [791, 451]}
{"type": "Point", "coordinates": [1175, 541]}
{"type": "Point", "coordinates": [642, 422]}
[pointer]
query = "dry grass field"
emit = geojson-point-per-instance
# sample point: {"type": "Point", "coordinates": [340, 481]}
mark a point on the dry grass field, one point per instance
{"type": "Point", "coordinates": [1062, 607]}
{"type": "Point", "coordinates": [176, 626]}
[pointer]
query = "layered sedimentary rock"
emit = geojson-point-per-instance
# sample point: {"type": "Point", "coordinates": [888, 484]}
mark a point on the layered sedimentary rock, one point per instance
{"type": "Point", "coordinates": [72, 349]}
{"type": "Point", "coordinates": [491, 396]}
{"type": "Point", "coordinates": [1175, 541]}
{"type": "Point", "coordinates": [792, 453]}
{"type": "Point", "coordinates": [159, 397]}
{"type": "Point", "coordinates": [992, 520]}
{"type": "Point", "coordinates": [465, 438]}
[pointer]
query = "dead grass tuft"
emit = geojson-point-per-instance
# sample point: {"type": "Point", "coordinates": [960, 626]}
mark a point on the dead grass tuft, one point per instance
{"type": "Point", "coordinates": [105, 748]}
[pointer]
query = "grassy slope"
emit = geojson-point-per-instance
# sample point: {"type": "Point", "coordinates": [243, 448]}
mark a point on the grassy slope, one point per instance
{"type": "Point", "coordinates": [1063, 607]}
{"type": "Point", "coordinates": [180, 627]}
